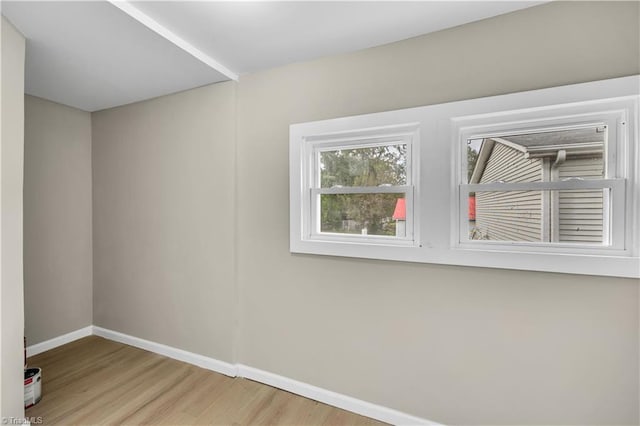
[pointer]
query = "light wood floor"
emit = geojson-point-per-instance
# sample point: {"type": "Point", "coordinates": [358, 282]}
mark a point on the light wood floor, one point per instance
{"type": "Point", "coordinates": [97, 381]}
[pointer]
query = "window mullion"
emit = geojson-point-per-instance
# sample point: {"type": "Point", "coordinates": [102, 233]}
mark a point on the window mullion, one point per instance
{"type": "Point", "coordinates": [362, 190]}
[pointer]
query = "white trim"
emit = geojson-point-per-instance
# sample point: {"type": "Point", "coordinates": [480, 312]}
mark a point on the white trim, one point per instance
{"type": "Point", "coordinates": [325, 396]}
{"type": "Point", "coordinates": [610, 113]}
{"type": "Point", "coordinates": [306, 141]}
{"type": "Point", "coordinates": [169, 35]}
{"type": "Point", "coordinates": [440, 134]}
{"type": "Point", "coordinates": [59, 341]}
{"type": "Point", "coordinates": [380, 189]}
{"type": "Point", "coordinates": [334, 399]}
{"type": "Point", "coordinates": [181, 355]}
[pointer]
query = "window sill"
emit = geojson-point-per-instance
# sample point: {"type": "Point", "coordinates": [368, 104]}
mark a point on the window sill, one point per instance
{"type": "Point", "coordinates": [613, 265]}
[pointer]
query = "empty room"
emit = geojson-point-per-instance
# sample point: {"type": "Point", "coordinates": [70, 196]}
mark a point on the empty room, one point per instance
{"type": "Point", "coordinates": [320, 213]}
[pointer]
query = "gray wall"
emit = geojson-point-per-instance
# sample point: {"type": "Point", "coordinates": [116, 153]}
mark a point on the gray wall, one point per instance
{"type": "Point", "coordinates": [164, 220]}
{"type": "Point", "coordinates": [57, 220]}
{"type": "Point", "coordinates": [11, 179]}
{"type": "Point", "coordinates": [455, 345]}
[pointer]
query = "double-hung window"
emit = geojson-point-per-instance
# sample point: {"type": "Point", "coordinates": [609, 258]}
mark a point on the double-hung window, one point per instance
{"type": "Point", "coordinates": [551, 181]}
{"type": "Point", "coordinates": [358, 187]}
{"type": "Point", "coordinates": [546, 180]}
{"type": "Point", "coordinates": [361, 189]}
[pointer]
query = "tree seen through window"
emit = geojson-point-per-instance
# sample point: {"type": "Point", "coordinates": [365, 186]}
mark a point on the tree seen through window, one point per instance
{"type": "Point", "coordinates": [368, 213]}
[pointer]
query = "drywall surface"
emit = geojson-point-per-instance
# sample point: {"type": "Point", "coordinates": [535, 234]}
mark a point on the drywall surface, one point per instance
{"type": "Point", "coordinates": [164, 220]}
{"type": "Point", "coordinates": [455, 345]}
{"type": "Point", "coordinates": [58, 273]}
{"type": "Point", "coordinates": [452, 344]}
{"type": "Point", "coordinates": [11, 180]}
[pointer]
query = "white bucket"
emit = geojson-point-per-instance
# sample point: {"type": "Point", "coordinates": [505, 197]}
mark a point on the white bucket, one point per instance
{"type": "Point", "coordinates": [32, 386]}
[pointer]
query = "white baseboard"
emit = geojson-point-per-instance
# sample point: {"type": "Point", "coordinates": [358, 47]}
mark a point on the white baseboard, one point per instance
{"type": "Point", "coordinates": [168, 351]}
{"type": "Point", "coordinates": [325, 396]}
{"type": "Point", "coordinates": [334, 399]}
{"type": "Point", "coordinates": [59, 341]}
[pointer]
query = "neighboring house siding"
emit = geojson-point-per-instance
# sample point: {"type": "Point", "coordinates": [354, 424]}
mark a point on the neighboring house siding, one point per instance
{"type": "Point", "coordinates": [580, 218]}
{"type": "Point", "coordinates": [513, 215]}
{"type": "Point", "coordinates": [509, 165]}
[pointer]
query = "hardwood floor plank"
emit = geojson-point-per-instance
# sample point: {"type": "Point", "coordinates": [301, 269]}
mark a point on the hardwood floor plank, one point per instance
{"type": "Point", "coordinates": [94, 381]}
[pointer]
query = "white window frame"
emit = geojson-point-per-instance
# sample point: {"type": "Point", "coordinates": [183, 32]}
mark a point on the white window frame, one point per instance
{"type": "Point", "coordinates": [438, 178]}
{"type": "Point", "coordinates": [612, 114]}
{"type": "Point", "coordinates": [305, 158]}
{"type": "Point", "coordinates": [312, 225]}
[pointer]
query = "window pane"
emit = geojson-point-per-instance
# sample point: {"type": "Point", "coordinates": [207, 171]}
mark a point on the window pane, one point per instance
{"type": "Point", "coordinates": [506, 216]}
{"type": "Point", "coordinates": [363, 214]}
{"type": "Point", "coordinates": [580, 216]}
{"type": "Point", "coordinates": [585, 167]}
{"type": "Point", "coordinates": [371, 166]}
{"type": "Point", "coordinates": [536, 157]}
{"type": "Point", "coordinates": [567, 216]}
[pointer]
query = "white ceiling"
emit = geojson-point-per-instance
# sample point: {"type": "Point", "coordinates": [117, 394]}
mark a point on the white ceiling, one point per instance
{"type": "Point", "coordinates": [93, 55]}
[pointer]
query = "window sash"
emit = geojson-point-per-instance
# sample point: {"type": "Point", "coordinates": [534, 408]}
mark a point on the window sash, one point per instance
{"type": "Point", "coordinates": [396, 135]}
{"type": "Point", "coordinates": [612, 120]}
{"type": "Point", "coordinates": [613, 212]}
{"type": "Point", "coordinates": [358, 143]}
{"type": "Point", "coordinates": [314, 219]}
{"type": "Point", "coordinates": [362, 189]}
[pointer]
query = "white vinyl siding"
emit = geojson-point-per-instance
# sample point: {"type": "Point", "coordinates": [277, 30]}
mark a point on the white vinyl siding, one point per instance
{"type": "Point", "coordinates": [581, 211]}
{"type": "Point", "coordinates": [512, 215]}
{"type": "Point", "coordinates": [507, 164]}
{"type": "Point", "coordinates": [509, 216]}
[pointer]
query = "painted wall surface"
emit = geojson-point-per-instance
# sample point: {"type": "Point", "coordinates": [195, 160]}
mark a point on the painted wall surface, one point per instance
{"type": "Point", "coordinates": [58, 277]}
{"type": "Point", "coordinates": [164, 220]}
{"type": "Point", "coordinates": [452, 344]}
{"type": "Point", "coordinates": [183, 258]}
{"type": "Point", "coordinates": [11, 180]}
